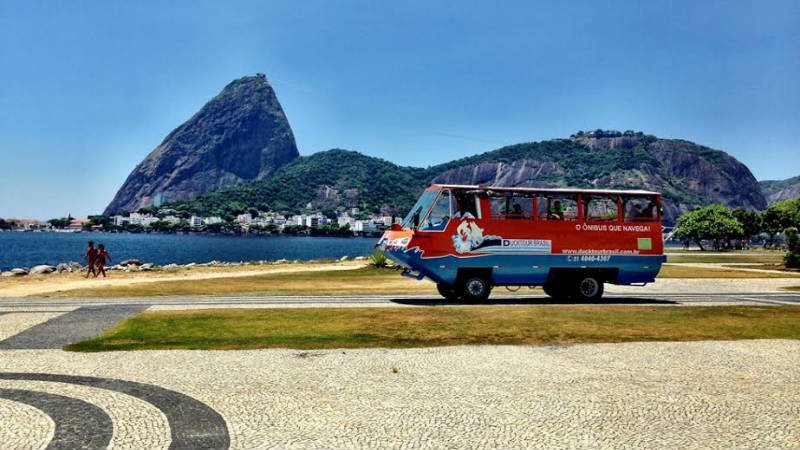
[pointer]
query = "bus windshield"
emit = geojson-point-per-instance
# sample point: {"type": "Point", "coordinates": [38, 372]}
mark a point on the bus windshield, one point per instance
{"type": "Point", "coordinates": [421, 207]}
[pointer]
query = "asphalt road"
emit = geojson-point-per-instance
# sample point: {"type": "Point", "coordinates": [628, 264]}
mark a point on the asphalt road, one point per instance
{"type": "Point", "coordinates": [333, 301]}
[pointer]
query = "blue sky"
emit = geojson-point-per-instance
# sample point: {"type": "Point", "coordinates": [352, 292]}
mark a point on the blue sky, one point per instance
{"type": "Point", "coordinates": [88, 89]}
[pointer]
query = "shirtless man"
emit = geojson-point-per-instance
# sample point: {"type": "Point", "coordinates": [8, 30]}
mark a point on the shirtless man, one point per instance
{"type": "Point", "coordinates": [90, 257]}
{"type": "Point", "coordinates": [102, 256]}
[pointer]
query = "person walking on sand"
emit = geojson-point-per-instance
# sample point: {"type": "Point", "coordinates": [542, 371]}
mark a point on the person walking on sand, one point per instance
{"type": "Point", "coordinates": [102, 256]}
{"type": "Point", "coordinates": [90, 256]}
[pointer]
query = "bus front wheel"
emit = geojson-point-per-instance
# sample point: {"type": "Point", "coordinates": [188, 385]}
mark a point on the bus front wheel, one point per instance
{"type": "Point", "coordinates": [475, 289]}
{"type": "Point", "coordinates": [447, 292]}
{"type": "Point", "coordinates": [587, 288]}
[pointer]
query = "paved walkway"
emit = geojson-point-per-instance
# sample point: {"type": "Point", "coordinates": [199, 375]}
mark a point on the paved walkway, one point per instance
{"type": "Point", "coordinates": [644, 395]}
{"type": "Point", "coordinates": [648, 395]}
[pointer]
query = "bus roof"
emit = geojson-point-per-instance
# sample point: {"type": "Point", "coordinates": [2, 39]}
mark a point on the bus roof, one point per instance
{"type": "Point", "coordinates": [543, 190]}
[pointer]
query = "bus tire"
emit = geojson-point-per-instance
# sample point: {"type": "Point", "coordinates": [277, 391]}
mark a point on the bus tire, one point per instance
{"type": "Point", "coordinates": [447, 292]}
{"type": "Point", "coordinates": [475, 289]}
{"type": "Point", "coordinates": [587, 287]}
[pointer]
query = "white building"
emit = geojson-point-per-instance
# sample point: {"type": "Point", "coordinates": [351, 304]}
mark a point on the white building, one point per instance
{"type": "Point", "coordinates": [195, 222]}
{"type": "Point", "coordinates": [246, 219]}
{"type": "Point", "coordinates": [312, 221]}
{"type": "Point", "coordinates": [144, 220]}
{"type": "Point", "coordinates": [344, 219]}
{"type": "Point", "coordinates": [121, 221]}
{"type": "Point", "coordinates": [174, 220]}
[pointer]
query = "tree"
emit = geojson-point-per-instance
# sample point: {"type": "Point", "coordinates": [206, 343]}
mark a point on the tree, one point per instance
{"type": "Point", "coordinates": [104, 221]}
{"type": "Point", "coordinates": [715, 223]}
{"type": "Point", "coordinates": [792, 258]}
{"type": "Point", "coordinates": [62, 222]}
{"type": "Point", "coordinates": [751, 223]}
{"type": "Point", "coordinates": [4, 225]}
{"type": "Point", "coordinates": [780, 216]}
{"type": "Point", "coordinates": [134, 228]}
{"type": "Point", "coordinates": [162, 226]}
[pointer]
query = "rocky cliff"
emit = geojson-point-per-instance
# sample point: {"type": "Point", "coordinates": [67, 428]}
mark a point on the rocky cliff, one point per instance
{"type": "Point", "coordinates": [778, 190]}
{"type": "Point", "coordinates": [689, 175]}
{"type": "Point", "coordinates": [241, 135]}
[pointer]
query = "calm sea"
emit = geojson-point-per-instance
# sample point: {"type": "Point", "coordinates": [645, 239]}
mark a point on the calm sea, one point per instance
{"type": "Point", "coordinates": [29, 249]}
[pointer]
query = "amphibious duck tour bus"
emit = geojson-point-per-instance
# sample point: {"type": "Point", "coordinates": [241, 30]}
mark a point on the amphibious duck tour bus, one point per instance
{"type": "Point", "coordinates": [469, 239]}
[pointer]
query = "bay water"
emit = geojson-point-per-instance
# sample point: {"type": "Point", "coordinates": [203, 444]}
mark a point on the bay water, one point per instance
{"type": "Point", "coordinates": [18, 249]}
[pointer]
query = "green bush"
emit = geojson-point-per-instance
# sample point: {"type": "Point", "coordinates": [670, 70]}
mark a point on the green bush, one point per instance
{"type": "Point", "coordinates": [378, 260]}
{"type": "Point", "coordinates": [792, 258]}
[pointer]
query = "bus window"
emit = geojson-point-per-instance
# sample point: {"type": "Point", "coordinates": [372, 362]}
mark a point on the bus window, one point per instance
{"type": "Point", "coordinates": [601, 208]}
{"type": "Point", "coordinates": [497, 207]}
{"type": "Point", "coordinates": [466, 206]}
{"type": "Point", "coordinates": [520, 208]}
{"type": "Point", "coordinates": [439, 215]}
{"type": "Point", "coordinates": [558, 207]}
{"type": "Point", "coordinates": [419, 209]}
{"type": "Point", "coordinates": [640, 208]}
{"type": "Point", "coordinates": [511, 207]}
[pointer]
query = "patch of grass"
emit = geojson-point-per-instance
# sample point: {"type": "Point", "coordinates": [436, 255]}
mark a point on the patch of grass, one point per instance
{"type": "Point", "coordinates": [367, 280]}
{"type": "Point", "coordinates": [776, 267]}
{"type": "Point", "coordinates": [678, 271]}
{"type": "Point", "coordinates": [320, 328]}
{"type": "Point", "coordinates": [722, 258]}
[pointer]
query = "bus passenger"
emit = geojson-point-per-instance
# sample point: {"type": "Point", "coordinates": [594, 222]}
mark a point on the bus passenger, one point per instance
{"type": "Point", "coordinates": [556, 211]}
{"type": "Point", "coordinates": [516, 213]}
{"type": "Point", "coordinates": [463, 209]}
{"type": "Point", "coordinates": [649, 211]}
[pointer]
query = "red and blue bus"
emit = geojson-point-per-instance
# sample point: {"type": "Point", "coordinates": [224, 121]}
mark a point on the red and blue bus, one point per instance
{"type": "Point", "coordinates": [469, 239]}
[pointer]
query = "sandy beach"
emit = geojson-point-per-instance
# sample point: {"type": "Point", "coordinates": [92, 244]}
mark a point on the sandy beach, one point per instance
{"type": "Point", "coordinates": [47, 284]}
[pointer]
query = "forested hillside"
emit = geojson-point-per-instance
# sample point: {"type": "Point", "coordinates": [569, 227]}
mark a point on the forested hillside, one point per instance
{"type": "Point", "coordinates": [688, 174]}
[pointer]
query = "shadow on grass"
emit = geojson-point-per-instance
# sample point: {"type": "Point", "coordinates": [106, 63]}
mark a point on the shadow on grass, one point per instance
{"type": "Point", "coordinates": [532, 301]}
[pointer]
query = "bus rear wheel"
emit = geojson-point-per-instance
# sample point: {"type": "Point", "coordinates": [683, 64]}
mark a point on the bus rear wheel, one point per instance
{"type": "Point", "coordinates": [587, 288]}
{"type": "Point", "coordinates": [475, 289]}
{"type": "Point", "coordinates": [447, 292]}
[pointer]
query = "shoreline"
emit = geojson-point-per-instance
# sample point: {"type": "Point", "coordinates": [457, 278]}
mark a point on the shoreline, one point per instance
{"type": "Point", "coordinates": [25, 250]}
{"type": "Point", "coordinates": [136, 265]}
{"type": "Point", "coordinates": [348, 235]}
{"type": "Point", "coordinates": [23, 286]}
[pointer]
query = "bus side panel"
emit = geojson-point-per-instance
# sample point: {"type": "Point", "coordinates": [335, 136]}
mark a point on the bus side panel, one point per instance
{"type": "Point", "coordinates": [522, 252]}
{"type": "Point", "coordinates": [515, 270]}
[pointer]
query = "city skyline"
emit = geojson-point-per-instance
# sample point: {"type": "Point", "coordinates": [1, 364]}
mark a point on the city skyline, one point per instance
{"type": "Point", "coordinates": [95, 87]}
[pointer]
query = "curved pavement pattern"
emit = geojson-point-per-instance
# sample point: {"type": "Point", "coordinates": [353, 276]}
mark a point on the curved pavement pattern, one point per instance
{"type": "Point", "coordinates": [193, 425]}
{"type": "Point", "coordinates": [78, 424]}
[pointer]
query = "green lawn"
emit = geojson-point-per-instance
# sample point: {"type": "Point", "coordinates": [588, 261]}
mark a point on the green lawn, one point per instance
{"type": "Point", "coordinates": [744, 256]}
{"type": "Point", "coordinates": [318, 328]}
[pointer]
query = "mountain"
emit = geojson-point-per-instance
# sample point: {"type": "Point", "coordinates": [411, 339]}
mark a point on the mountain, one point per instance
{"type": "Point", "coordinates": [777, 190]}
{"type": "Point", "coordinates": [689, 175]}
{"type": "Point", "coordinates": [240, 135]}
{"type": "Point", "coordinates": [323, 181]}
